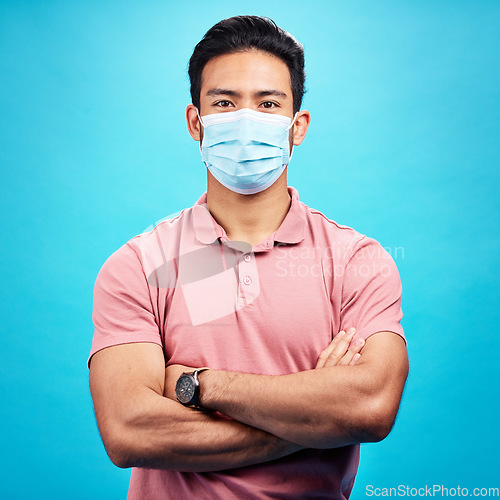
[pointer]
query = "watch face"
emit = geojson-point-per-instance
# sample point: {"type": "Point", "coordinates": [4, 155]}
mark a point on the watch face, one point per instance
{"type": "Point", "coordinates": [185, 388]}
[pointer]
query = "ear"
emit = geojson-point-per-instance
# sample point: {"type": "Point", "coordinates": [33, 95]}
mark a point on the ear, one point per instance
{"type": "Point", "coordinates": [193, 122]}
{"type": "Point", "coordinates": [300, 127]}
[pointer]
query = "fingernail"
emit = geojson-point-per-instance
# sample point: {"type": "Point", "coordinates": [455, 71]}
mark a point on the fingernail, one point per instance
{"type": "Point", "coordinates": [340, 333]}
{"type": "Point", "coordinates": [360, 341]}
{"type": "Point", "coordinates": [351, 330]}
{"type": "Point", "coordinates": [356, 357]}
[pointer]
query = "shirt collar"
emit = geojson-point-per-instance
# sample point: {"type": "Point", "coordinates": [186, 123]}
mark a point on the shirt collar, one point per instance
{"type": "Point", "coordinates": [291, 230]}
{"type": "Point", "coordinates": [206, 228]}
{"type": "Point", "coordinates": [293, 227]}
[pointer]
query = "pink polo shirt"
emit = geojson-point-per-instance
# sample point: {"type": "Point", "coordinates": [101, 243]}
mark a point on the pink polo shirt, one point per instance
{"type": "Point", "coordinates": [270, 309]}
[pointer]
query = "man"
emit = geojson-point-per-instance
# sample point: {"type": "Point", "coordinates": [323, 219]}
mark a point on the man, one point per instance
{"type": "Point", "coordinates": [244, 348]}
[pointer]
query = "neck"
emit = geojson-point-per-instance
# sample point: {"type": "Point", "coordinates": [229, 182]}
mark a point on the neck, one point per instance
{"type": "Point", "coordinates": [250, 218]}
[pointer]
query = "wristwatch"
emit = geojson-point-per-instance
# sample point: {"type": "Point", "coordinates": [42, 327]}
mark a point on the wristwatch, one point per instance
{"type": "Point", "coordinates": [187, 388]}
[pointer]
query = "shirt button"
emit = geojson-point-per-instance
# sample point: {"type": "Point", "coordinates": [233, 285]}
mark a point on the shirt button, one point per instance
{"type": "Point", "coordinates": [247, 280]}
{"type": "Point", "coordinates": [247, 258]}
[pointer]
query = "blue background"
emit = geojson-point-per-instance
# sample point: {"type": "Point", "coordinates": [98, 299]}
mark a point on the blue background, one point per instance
{"type": "Point", "coordinates": [403, 146]}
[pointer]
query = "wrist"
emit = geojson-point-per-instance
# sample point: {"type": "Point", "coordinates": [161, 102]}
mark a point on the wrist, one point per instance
{"type": "Point", "coordinates": [187, 388]}
{"type": "Point", "coordinates": [210, 380]}
{"type": "Point", "coordinates": [204, 378]}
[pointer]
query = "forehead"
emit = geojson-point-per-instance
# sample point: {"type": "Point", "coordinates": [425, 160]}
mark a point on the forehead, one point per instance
{"type": "Point", "coordinates": [249, 70]}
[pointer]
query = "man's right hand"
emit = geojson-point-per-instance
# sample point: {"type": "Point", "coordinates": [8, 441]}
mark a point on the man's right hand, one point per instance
{"type": "Point", "coordinates": [341, 351]}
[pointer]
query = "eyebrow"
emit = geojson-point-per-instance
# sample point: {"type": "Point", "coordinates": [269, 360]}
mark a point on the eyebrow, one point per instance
{"type": "Point", "coordinates": [261, 93]}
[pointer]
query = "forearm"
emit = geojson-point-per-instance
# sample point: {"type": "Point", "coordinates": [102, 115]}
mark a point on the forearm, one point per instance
{"type": "Point", "coordinates": [331, 407]}
{"type": "Point", "coordinates": [166, 435]}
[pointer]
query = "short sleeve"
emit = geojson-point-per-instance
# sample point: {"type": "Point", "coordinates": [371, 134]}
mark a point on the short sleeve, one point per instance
{"type": "Point", "coordinates": [371, 293]}
{"type": "Point", "coordinates": [122, 312]}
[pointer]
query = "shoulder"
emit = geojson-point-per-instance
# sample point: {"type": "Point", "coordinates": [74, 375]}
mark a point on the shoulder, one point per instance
{"type": "Point", "coordinates": [143, 253]}
{"type": "Point", "coordinates": [165, 228]}
{"type": "Point", "coordinates": [343, 239]}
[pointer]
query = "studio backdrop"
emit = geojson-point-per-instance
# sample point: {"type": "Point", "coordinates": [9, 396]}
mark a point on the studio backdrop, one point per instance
{"type": "Point", "coordinates": [403, 146]}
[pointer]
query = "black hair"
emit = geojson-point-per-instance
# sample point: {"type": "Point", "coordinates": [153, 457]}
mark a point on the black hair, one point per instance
{"type": "Point", "coordinates": [241, 33]}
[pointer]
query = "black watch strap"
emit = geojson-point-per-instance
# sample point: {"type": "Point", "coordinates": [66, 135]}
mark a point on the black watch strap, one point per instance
{"type": "Point", "coordinates": [196, 402]}
{"type": "Point", "coordinates": [195, 398]}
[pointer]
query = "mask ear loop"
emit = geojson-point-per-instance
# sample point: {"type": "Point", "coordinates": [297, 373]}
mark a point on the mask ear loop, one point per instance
{"type": "Point", "coordinates": [293, 121]}
{"type": "Point", "coordinates": [201, 122]}
{"type": "Point", "coordinates": [199, 117]}
{"type": "Point", "coordinates": [288, 128]}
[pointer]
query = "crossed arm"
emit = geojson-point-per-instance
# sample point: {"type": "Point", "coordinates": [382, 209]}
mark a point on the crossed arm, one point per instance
{"type": "Point", "coordinates": [344, 400]}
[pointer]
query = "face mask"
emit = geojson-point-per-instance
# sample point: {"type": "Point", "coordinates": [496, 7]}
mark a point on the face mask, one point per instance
{"type": "Point", "coordinates": [246, 150]}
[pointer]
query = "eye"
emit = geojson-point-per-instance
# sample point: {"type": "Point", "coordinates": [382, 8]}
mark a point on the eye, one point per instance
{"type": "Point", "coordinates": [223, 104]}
{"type": "Point", "coordinates": [269, 105]}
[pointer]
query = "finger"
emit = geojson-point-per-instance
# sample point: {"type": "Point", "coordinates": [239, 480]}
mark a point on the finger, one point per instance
{"type": "Point", "coordinates": [354, 359]}
{"type": "Point", "coordinates": [340, 349]}
{"type": "Point", "coordinates": [326, 353]}
{"type": "Point", "coordinates": [329, 349]}
{"type": "Point", "coordinates": [354, 349]}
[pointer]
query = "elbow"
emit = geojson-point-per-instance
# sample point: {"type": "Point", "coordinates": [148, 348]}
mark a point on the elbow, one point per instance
{"type": "Point", "coordinates": [369, 422]}
{"type": "Point", "coordinates": [379, 410]}
{"type": "Point", "coordinates": [122, 441]}
{"type": "Point", "coordinates": [118, 448]}
{"type": "Point", "coordinates": [119, 458]}
{"type": "Point", "coordinates": [377, 420]}
{"type": "Point", "coordinates": [128, 446]}
{"type": "Point", "coordinates": [379, 432]}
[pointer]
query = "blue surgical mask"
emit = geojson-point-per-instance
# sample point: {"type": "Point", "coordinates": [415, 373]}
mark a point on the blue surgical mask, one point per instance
{"type": "Point", "coordinates": [246, 150]}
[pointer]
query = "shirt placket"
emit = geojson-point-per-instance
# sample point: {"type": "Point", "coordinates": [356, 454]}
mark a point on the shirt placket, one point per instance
{"type": "Point", "coordinates": [248, 279]}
